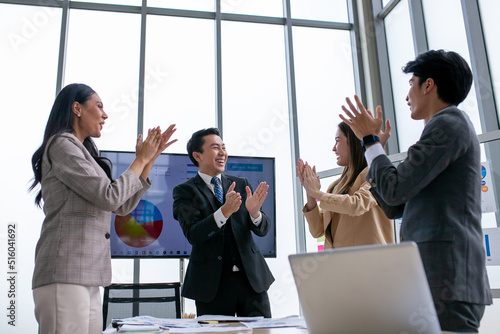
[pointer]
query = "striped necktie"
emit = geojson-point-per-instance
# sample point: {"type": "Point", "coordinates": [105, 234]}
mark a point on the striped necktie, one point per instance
{"type": "Point", "coordinates": [217, 189]}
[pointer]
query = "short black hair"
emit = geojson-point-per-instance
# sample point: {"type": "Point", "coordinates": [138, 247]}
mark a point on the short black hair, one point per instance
{"type": "Point", "coordinates": [195, 143]}
{"type": "Point", "coordinates": [450, 72]}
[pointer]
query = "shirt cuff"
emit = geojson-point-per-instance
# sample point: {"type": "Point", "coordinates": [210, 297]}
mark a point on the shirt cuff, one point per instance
{"type": "Point", "coordinates": [220, 220]}
{"type": "Point", "coordinates": [258, 220]}
{"type": "Point", "coordinates": [372, 152]}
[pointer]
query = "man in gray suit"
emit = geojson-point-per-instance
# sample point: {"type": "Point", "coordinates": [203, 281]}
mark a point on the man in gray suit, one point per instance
{"type": "Point", "coordinates": [436, 189]}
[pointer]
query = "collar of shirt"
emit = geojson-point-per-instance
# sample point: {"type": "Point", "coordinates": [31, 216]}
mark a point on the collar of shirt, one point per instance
{"type": "Point", "coordinates": [208, 180]}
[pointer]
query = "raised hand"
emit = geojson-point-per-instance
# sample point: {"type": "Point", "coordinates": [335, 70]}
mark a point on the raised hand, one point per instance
{"type": "Point", "coordinates": [254, 202]}
{"type": "Point", "coordinates": [232, 203]}
{"type": "Point", "coordinates": [311, 182]}
{"type": "Point", "coordinates": [384, 135]}
{"type": "Point", "coordinates": [164, 142]}
{"type": "Point", "coordinates": [146, 150]}
{"type": "Point", "coordinates": [362, 122]}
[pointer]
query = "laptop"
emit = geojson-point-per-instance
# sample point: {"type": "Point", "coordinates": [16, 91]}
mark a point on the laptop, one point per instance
{"type": "Point", "coordinates": [366, 289]}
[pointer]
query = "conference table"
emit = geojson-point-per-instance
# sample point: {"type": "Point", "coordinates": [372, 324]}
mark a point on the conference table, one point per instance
{"type": "Point", "coordinates": [285, 330]}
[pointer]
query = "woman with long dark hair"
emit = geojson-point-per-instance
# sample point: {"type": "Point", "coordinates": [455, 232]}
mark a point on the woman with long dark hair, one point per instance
{"type": "Point", "coordinates": [78, 194]}
{"type": "Point", "coordinates": [349, 214]}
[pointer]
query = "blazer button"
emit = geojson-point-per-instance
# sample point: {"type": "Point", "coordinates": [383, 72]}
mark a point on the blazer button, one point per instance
{"type": "Point", "coordinates": [219, 257]}
{"type": "Point", "coordinates": [107, 235]}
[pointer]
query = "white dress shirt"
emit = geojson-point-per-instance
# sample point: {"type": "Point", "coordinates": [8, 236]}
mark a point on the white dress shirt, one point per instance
{"type": "Point", "coordinates": [220, 220]}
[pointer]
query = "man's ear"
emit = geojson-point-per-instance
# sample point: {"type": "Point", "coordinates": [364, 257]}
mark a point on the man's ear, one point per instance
{"type": "Point", "coordinates": [197, 156]}
{"type": "Point", "coordinates": [429, 85]}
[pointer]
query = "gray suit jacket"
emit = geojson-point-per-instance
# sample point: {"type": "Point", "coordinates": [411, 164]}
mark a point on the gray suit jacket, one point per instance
{"type": "Point", "coordinates": [78, 200]}
{"type": "Point", "coordinates": [437, 191]}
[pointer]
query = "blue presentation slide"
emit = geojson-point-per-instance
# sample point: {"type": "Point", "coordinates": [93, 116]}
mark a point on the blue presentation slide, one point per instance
{"type": "Point", "coordinates": [151, 230]}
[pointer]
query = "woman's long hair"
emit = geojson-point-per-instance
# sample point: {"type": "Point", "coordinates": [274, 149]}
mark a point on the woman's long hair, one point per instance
{"type": "Point", "coordinates": [356, 164]}
{"type": "Point", "coordinates": [60, 121]}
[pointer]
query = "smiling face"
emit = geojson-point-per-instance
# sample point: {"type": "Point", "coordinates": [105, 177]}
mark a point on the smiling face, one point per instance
{"type": "Point", "coordinates": [214, 157]}
{"type": "Point", "coordinates": [341, 149]}
{"type": "Point", "coordinates": [89, 118]}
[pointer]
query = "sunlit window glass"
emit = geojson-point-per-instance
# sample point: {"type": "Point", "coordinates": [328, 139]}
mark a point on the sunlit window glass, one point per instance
{"type": "Point", "coordinates": [324, 78]}
{"type": "Point", "coordinates": [400, 51]}
{"type": "Point", "coordinates": [253, 7]}
{"type": "Point", "coordinates": [202, 5]}
{"type": "Point", "coordinates": [445, 28]}
{"type": "Point", "coordinates": [180, 76]}
{"type": "Point", "coordinates": [114, 2]}
{"type": "Point", "coordinates": [254, 89]}
{"type": "Point", "coordinates": [105, 56]}
{"type": "Point", "coordinates": [491, 26]}
{"type": "Point", "coordinates": [322, 10]}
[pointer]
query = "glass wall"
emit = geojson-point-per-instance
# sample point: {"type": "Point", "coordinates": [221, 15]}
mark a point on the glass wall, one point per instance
{"type": "Point", "coordinates": [176, 62]}
{"type": "Point", "coordinates": [29, 40]}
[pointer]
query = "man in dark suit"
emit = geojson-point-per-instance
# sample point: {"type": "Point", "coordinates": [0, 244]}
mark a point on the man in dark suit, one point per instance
{"type": "Point", "coordinates": [436, 189]}
{"type": "Point", "coordinates": [227, 274]}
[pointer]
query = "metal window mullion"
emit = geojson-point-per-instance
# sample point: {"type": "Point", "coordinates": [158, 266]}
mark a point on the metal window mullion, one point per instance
{"type": "Point", "coordinates": [385, 75]}
{"type": "Point", "coordinates": [484, 88]}
{"type": "Point", "coordinates": [142, 70]}
{"type": "Point", "coordinates": [298, 199]}
{"type": "Point", "coordinates": [218, 69]}
{"type": "Point", "coordinates": [63, 42]}
{"type": "Point", "coordinates": [383, 12]}
{"type": "Point", "coordinates": [43, 3]}
{"type": "Point", "coordinates": [357, 59]}
{"type": "Point", "coordinates": [140, 126]}
{"type": "Point", "coordinates": [420, 42]}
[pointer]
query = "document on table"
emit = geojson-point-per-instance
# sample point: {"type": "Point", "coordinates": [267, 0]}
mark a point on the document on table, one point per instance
{"type": "Point", "coordinates": [226, 318]}
{"type": "Point", "coordinates": [172, 326]}
{"type": "Point", "coordinates": [290, 321]}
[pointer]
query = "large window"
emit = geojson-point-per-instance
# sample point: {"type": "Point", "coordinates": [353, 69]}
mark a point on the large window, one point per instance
{"type": "Point", "coordinates": [269, 73]}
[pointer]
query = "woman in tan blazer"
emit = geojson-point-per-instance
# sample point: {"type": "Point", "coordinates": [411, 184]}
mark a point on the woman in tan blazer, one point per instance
{"type": "Point", "coordinates": [72, 256]}
{"type": "Point", "coordinates": [347, 214]}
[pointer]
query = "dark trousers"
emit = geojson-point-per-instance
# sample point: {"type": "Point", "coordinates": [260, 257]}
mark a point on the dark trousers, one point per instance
{"type": "Point", "coordinates": [459, 316]}
{"type": "Point", "coordinates": [236, 296]}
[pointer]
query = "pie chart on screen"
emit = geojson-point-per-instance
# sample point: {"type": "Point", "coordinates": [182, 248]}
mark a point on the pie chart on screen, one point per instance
{"type": "Point", "coordinates": [141, 227]}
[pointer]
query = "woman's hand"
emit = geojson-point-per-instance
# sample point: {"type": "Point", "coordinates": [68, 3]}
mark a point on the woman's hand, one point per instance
{"type": "Point", "coordinates": [146, 150]}
{"type": "Point", "coordinates": [311, 182]}
{"type": "Point", "coordinates": [164, 142]}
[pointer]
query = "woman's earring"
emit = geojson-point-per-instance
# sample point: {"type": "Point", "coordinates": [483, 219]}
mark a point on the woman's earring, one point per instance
{"type": "Point", "coordinates": [78, 115]}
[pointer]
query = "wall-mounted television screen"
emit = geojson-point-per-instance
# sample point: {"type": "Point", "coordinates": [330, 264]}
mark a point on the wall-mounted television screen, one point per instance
{"type": "Point", "coordinates": [151, 231]}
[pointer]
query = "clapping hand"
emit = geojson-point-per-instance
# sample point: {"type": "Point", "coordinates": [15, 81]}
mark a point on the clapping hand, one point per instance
{"type": "Point", "coordinates": [146, 150]}
{"type": "Point", "coordinates": [232, 203]}
{"type": "Point", "coordinates": [254, 202]}
{"type": "Point", "coordinates": [362, 122]}
{"type": "Point", "coordinates": [165, 137]}
{"type": "Point", "coordinates": [310, 181]}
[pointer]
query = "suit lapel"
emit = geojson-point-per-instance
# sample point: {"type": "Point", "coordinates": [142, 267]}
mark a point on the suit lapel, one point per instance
{"type": "Point", "coordinates": [226, 182]}
{"type": "Point", "coordinates": [202, 186]}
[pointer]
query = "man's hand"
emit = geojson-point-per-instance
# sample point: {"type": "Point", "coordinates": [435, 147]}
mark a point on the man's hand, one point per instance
{"type": "Point", "coordinates": [233, 201]}
{"type": "Point", "coordinates": [384, 135]}
{"type": "Point", "coordinates": [254, 202]}
{"type": "Point", "coordinates": [362, 122]}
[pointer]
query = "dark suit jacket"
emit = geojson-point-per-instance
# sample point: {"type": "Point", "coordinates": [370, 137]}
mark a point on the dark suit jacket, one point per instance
{"type": "Point", "coordinates": [437, 191]}
{"type": "Point", "coordinates": [194, 207]}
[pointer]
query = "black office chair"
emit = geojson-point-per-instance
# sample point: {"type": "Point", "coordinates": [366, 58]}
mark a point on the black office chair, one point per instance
{"type": "Point", "coordinates": [160, 300]}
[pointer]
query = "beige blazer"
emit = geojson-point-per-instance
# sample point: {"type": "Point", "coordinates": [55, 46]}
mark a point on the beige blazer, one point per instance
{"type": "Point", "coordinates": [352, 219]}
{"type": "Point", "coordinates": [78, 200]}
